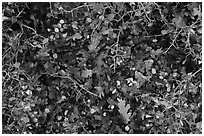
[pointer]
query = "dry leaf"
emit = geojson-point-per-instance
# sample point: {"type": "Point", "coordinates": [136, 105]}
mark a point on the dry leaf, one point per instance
{"type": "Point", "coordinates": [25, 119]}
{"type": "Point", "coordinates": [17, 65]}
{"type": "Point", "coordinates": [86, 73]}
{"type": "Point", "coordinates": [100, 91]}
{"type": "Point", "coordinates": [123, 109]}
{"type": "Point", "coordinates": [77, 36]}
{"type": "Point", "coordinates": [45, 41]}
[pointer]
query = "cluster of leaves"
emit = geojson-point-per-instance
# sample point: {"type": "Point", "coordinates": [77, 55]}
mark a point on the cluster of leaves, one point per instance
{"type": "Point", "coordinates": [102, 68]}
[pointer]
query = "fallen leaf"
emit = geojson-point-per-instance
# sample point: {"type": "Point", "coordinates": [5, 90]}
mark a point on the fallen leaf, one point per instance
{"type": "Point", "coordinates": [86, 73]}
{"type": "Point", "coordinates": [17, 65]}
{"type": "Point", "coordinates": [164, 32]}
{"type": "Point", "coordinates": [154, 53]}
{"type": "Point", "coordinates": [123, 109]}
{"type": "Point", "coordinates": [140, 78]}
{"type": "Point", "coordinates": [25, 119]}
{"type": "Point", "coordinates": [94, 43]}
{"type": "Point", "coordinates": [100, 91]}
{"type": "Point", "coordinates": [148, 63]}
{"type": "Point", "coordinates": [12, 99]}
{"type": "Point", "coordinates": [77, 36]}
{"type": "Point", "coordinates": [45, 41]}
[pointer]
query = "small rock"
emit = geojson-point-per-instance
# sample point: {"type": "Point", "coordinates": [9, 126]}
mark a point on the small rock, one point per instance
{"type": "Point", "coordinates": [88, 20]}
{"type": "Point", "coordinates": [63, 97]}
{"type": "Point", "coordinates": [104, 114]}
{"type": "Point", "coordinates": [24, 87]}
{"type": "Point", "coordinates": [35, 120]}
{"type": "Point", "coordinates": [153, 71]}
{"type": "Point", "coordinates": [64, 35]}
{"type": "Point", "coordinates": [114, 91]}
{"type": "Point", "coordinates": [55, 56]}
{"type": "Point", "coordinates": [127, 128]}
{"type": "Point", "coordinates": [59, 117]}
{"type": "Point", "coordinates": [61, 21]}
{"type": "Point", "coordinates": [47, 110]}
{"type": "Point", "coordinates": [92, 111]}
{"type": "Point", "coordinates": [65, 26]}
{"type": "Point", "coordinates": [118, 83]}
{"type": "Point", "coordinates": [161, 77]}
{"type": "Point", "coordinates": [155, 40]}
{"type": "Point", "coordinates": [56, 30]}
{"type": "Point", "coordinates": [48, 29]}
{"type": "Point", "coordinates": [29, 92]}
{"type": "Point", "coordinates": [65, 113]}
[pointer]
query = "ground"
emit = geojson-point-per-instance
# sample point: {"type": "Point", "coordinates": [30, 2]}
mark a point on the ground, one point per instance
{"type": "Point", "coordinates": [92, 68]}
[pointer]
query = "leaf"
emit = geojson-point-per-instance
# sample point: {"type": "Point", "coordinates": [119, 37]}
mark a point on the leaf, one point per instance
{"type": "Point", "coordinates": [43, 52]}
{"type": "Point", "coordinates": [94, 43]}
{"type": "Point", "coordinates": [138, 13]}
{"type": "Point", "coordinates": [100, 91]}
{"type": "Point", "coordinates": [119, 130]}
{"type": "Point", "coordinates": [17, 65]}
{"type": "Point", "coordinates": [77, 36]}
{"type": "Point", "coordinates": [5, 18]}
{"type": "Point", "coordinates": [97, 117]}
{"type": "Point", "coordinates": [25, 119]}
{"type": "Point", "coordinates": [12, 99]}
{"type": "Point", "coordinates": [148, 63]}
{"type": "Point", "coordinates": [123, 109]}
{"type": "Point", "coordinates": [193, 88]}
{"type": "Point", "coordinates": [111, 16]}
{"type": "Point", "coordinates": [86, 73]}
{"type": "Point", "coordinates": [164, 32]}
{"type": "Point", "coordinates": [199, 126]}
{"type": "Point", "coordinates": [97, 7]}
{"type": "Point", "coordinates": [197, 11]}
{"type": "Point", "coordinates": [111, 101]}
{"type": "Point", "coordinates": [105, 32]}
{"type": "Point", "coordinates": [74, 25]}
{"type": "Point", "coordinates": [100, 62]}
{"type": "Point", "coordinates": [166, 104]}
{"type": "Point", "coordinates": [45, 41]}
{"type": "Point", "coordinates": [154, 53]}
{"type": "Point", "coordinates": [179, 22]}
{"type": "Point", "coordinates": [140, 78]}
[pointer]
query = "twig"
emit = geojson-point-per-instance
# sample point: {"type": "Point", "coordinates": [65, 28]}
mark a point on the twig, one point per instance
{"type": "Point", "coordinates": [196, 72]}
{"type": "Point", "coordinates": [29, 28]}
{"type": "Point", "coordinates": [20, 13]}
{"type": "Point", "coordinates": [172, 44]}
{"type": "Point", "coordinates": [4, 55]}
{"type": "Point", "coordinates": [145, 12]}
{"type": "Point", "coordinates": [71, 11]}
{"type": "Point", "coordinates": [75, 82]}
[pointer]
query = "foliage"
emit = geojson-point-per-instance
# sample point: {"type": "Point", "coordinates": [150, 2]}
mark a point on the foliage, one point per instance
{"type": "Point", "coordinates": [101, 68]}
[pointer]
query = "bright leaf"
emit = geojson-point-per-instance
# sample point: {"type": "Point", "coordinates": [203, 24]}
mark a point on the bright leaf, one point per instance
{"type": "Point", "coordinates": [25, 119]}
{"type": "Point", "coordinates": [164, 32]}
{"type": "Point", "coordinates": [77, 36]}
{"type": "Point", "coordinates": [123, 109]}
{"type": "Point", "coordinates": [45, 41]}
{"type": "Point", "coordinates": [17, 65]}
{"type": "Point", "coordinates": [148, 63]}
{"type": "Point", "coordinates": [100, 91]}
{"type": "Point", "coordinates": [86, 73]}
